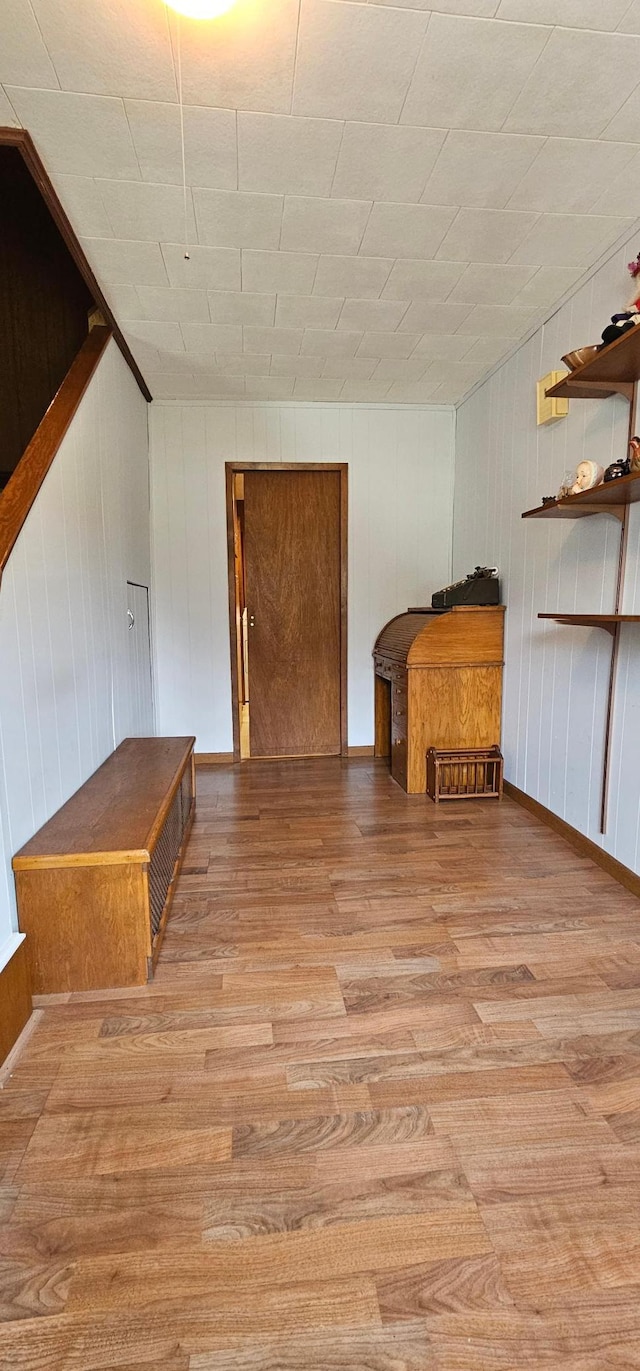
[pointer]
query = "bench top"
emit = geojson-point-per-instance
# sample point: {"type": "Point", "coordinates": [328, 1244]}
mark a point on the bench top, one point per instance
{"type": "Point", "coordinates": [117, 814]}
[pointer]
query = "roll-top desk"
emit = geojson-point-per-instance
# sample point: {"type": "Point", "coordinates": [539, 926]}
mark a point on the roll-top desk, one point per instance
{"type": "Point", "coordinates": [438, 683]}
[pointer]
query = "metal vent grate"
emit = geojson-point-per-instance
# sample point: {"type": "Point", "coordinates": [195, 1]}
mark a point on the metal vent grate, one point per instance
{"type": "Point", "coordinates": [165, 855]}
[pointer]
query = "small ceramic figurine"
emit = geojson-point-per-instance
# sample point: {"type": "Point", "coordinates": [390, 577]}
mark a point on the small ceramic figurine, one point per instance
{"type": "Point", "coordinates": [588, 475]}
{"type": "Point", "coordinates": [634, 455]}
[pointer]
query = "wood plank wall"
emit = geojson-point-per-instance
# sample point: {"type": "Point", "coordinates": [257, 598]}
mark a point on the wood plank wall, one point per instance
{"type": "Point", "coordinates": [556, 677]}
{"type": "Point", "coordinates": [67, 687]}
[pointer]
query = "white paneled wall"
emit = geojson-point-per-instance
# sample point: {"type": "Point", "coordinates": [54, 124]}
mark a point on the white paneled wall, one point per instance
{"type": "Point", "coordinates": [556, 677]}
{"type": "Point", "coordinates": [66, 689]}
{"type": "Point", "coordinates": [400, 509]}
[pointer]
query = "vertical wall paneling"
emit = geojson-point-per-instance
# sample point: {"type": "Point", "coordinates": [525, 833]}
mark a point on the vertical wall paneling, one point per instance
{"type": "Point", "coordinates": [556, 677]}
{"type": "Point", "coordinates": [400, 511]}
{"type": "Point", "coordinates": [68, 692]}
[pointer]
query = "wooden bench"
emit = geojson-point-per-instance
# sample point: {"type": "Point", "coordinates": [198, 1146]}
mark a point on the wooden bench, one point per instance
{"type": "Point", "coordinates": [95, 884]}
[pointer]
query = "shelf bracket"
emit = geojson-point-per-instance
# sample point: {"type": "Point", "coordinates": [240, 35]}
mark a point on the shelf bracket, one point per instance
{"type": "Point", "coordinates": [624, 388]}
{"type": "Point", "coordinates": [615, 511]}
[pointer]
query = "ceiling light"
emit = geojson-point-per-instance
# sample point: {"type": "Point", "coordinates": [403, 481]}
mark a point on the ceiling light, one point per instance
{"type": "Point", "coordinates": [200, 9]}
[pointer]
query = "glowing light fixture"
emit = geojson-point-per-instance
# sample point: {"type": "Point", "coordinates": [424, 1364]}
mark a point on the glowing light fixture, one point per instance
{"type": "Point", "coordinates": [200, 9]}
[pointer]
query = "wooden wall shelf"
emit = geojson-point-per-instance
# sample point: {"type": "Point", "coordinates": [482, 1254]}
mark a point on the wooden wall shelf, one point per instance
{"type": "Point", "coordinates": [610, 498]}
{"type": "Point", "coordinates": [606, 621]}
{"type": "Point", "coordinates": [613, 371]}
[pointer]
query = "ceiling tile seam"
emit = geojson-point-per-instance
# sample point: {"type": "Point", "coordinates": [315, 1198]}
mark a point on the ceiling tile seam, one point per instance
{"type": "Point", "coordinates": [335, 169]}
{"type": "Point", "coordinates": [324, 118]}
{"type": "Point", "coordinates": [312, 118]}
{"type": "Point", "coordinates": [539, 24]}
{"type": "Point", "coordinates": [294, 67]}
{"type": "Point", "coordinates": [405, 311]}
{"type": "Point", "coordinates": [430, 173]}
{"type": "Point", "coordinates": [96, 183]}
{"type": "Point", "coordinates": [559, 214]}
{"type": "Point", "coordinates": [405, 204]}
{"type": "Point", "coordinates": [131, 138]}
{"type": "Point", "coordinates": [587, 213]}
{"type": "Point", "coordinates": [371, 207]}
{"type": "Point", "coordinates": [45, 46]}
{"type": "Point", "coordinates": [393, 261]}
{"type": "Point", "coordinates": [440, 154]}
{"type": "Point", "coordinates": [170, 38]}
{"type": "Point", "coordinates": [164, 262]}
{"type": "Point", "coordinates": [350, 200]}
{"type": "Point", "coordinates": [531, 73]}
{"type": "Point", "coordinates": [621, 106]}
{"type": "Point", "coordinates": [237, 151]}
{"type": "Point", "coordinates": [315, 274]}
{"type": "Point", "coordinates": [413, 69]}
{"type": "Point", "coordinates": [626, 14]}
{"type": "Point", "coordinates": [12, 106]}
{"type": "Point", "coordinates": [284, 202]}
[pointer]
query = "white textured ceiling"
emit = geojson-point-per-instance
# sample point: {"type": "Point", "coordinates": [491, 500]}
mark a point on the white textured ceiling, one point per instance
{"type": "Point", "coordinates": [381, 198]}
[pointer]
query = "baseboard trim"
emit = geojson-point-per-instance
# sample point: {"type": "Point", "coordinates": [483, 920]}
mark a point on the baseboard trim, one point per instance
{"type": "Point", "coordinates": [227, 758]}
{"type": "Point", "coordinates": [585, 846]}
{"type": "Point", "coordinates": [15, 999]}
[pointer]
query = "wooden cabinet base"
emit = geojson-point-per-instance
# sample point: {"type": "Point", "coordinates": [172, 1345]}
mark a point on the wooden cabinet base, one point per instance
{"type": "Point", "coordinates": [95, 885]}
{"type": "Point", "coordinates": [95, 937]}
{"type": "Point", "coordinates": [15, 999]}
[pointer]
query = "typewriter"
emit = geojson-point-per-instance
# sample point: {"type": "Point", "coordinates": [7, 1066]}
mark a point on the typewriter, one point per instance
{"type": "Point", "coordinates": [480, 587]}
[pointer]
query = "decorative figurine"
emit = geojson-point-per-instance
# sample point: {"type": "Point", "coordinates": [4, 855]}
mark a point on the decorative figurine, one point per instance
{"type": "Point", "coordinates": [630, 317]}
{"type": "Point", "coordinates": [634, 455]}
{"type": "Point", "coordinates": [588, 475]}
{"type": "Point", "coordinates": [617, 469]}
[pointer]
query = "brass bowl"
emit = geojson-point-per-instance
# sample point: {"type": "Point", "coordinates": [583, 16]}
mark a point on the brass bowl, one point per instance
{"type": "Point", "coordinates": [579, 356]}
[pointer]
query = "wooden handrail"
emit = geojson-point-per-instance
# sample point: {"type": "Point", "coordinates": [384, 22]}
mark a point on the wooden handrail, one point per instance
{"type": "Point", "coordinates": [23, 485]}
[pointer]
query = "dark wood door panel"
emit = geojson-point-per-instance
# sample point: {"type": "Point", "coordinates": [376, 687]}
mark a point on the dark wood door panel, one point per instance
{"type": "Point", "coordinates": [293, 590]}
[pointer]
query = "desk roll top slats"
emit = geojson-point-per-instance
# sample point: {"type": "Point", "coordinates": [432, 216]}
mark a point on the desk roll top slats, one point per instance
{"type": "Point", "coordinates": [438, 683]}
{"type": "Point", "coordinates": [95, 884]}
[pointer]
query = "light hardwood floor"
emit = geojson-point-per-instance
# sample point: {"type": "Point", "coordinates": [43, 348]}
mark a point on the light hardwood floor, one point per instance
{"type": "Point", "coordinates": [379, 1110]}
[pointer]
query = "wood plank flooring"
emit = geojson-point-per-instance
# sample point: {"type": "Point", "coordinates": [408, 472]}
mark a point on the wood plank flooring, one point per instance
{"type": "Point", "coordinates": [379, 1110]}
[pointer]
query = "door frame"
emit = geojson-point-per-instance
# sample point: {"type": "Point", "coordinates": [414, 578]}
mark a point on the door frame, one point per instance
{"type": "Point", "coordinates": [140, 585]}
{"type": "Point", "coordinates": [231, 469]}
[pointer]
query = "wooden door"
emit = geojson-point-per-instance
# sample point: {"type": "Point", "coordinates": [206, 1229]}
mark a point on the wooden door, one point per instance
{"type": "Point", "coordinates": [292, 533]}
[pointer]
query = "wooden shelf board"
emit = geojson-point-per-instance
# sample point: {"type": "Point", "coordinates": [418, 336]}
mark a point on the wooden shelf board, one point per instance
{"type": "Point", "coordinates": [606, 621]}
{"type": "Point", "coordinates": [617, 365]}
{"type": "Point", "coordinates": [601, 500]}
